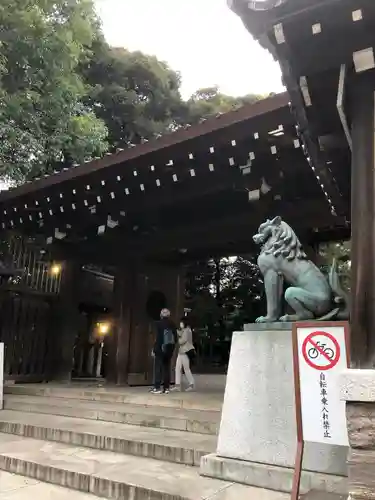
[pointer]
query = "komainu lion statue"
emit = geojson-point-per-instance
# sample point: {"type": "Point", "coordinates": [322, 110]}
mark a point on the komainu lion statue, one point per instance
{"type": "Point", "coordinates": [310, 294]}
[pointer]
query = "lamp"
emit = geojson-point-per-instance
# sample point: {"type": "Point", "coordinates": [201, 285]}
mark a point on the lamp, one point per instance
{"type": "Point", "coordinates": [55, 269]}
{"type": "Point", "coordinates": [103, 328]}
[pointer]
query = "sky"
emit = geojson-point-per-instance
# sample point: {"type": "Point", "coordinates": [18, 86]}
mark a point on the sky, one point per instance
{"type": "Point", "coordinates": [202, 39]}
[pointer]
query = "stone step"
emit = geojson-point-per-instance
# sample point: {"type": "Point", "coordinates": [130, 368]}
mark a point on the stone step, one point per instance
{"type": "Point", "coordinates": [114, 395]}
{"type": "Point", "coordinates": [172, 446]}
{"type": "Point", "coordinates": [204, 422]}
{"type": "Point", "coordinates": [13, 487]}
{"type": "Point", "coordinates": [116, 476]}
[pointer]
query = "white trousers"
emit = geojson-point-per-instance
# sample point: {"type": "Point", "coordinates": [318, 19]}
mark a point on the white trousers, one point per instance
{"type": "Point", "coordinates": [183, 362]}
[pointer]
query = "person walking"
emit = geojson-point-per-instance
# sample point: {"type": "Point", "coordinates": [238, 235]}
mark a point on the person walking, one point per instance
{"type": "Point", "coordinates": [186, 353]}
{"type": "Point", "coordinates": [165, 344]}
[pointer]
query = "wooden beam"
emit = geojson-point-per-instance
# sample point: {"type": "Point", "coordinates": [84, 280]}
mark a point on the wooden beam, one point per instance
{"type": "Point", "coordinates": [202, 236]}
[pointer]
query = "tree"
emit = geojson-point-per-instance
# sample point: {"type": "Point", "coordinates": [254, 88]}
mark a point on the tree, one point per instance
{"type": "Point", "coordinates": [225, 293]}
{"type": "Point", "coordinates": [243, 292]}
{"type": "Point", "coordinates": [136, 95]}
{"type": "Point", "coordinates": [222, 295]}
{"type": "Point", "coordinates": [199, 293]}
{"type": "Point", "coordinates": [43, 122]}
{"type": "Point", "coordinates": [208, 102]}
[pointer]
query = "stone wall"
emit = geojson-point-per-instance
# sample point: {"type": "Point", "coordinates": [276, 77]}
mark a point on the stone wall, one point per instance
{"type": "Point", "coordinates": [358, 389]}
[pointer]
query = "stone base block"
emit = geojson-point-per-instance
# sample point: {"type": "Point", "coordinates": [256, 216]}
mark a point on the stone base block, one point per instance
{"type": "Point", "coordinates": [323, 495]}
{"type": "Point", "coordinates": [358, 390]}
{"type": "Point", "coordinates": [258, 422]}
{"type": "Point", "coordinates": [361, 473]}
{"type": "Point", "coordinates": [269, 476]}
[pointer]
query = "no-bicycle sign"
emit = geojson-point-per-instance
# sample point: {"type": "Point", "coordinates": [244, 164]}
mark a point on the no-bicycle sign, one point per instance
{"type": "Point", "coordinates": [321, 350]}
{"type": "Point", "coordinates": [320, 355]}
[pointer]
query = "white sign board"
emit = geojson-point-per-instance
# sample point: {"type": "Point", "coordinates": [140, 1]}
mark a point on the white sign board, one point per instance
{"type": "Point", "coordinates": [322, 357]}
{"type": "Point", "coordinates": [1, 376]}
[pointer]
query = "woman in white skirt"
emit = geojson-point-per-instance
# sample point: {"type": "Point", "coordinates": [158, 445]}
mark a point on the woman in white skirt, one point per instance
{"type": "Point", "coordinates": [186, 352]}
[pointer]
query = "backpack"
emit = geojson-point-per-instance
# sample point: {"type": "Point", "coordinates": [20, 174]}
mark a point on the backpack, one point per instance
{"type": "Point", "coordinates": [168, 338]}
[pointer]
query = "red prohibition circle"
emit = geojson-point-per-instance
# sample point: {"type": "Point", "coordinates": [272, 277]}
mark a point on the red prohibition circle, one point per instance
{"type": "Point", "coordinates": [333, 362]}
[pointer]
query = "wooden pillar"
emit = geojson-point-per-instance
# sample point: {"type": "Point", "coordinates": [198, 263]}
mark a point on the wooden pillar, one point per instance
{"type": "Point", "coordinates": [363, 223]}
{"type": "Point", "coordinates": [358, 385]}
{"type": "Point", "coordinates": [66, 322]}
{"type": "Point", "coordinates": [119, 342]}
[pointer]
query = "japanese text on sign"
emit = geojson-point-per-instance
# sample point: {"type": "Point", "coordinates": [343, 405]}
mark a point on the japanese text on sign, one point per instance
{"type": "Point", "coordinates": [325, 410]}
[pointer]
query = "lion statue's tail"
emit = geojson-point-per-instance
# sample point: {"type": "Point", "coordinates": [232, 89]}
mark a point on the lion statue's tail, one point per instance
{"type": "Point", "coordinates": [341, 297]}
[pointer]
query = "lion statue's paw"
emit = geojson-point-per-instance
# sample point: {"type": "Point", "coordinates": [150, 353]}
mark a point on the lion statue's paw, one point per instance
{"type": "Point", "coordinates": [261, 319]}
{"type": "Point", "coordinates": [265, 319]}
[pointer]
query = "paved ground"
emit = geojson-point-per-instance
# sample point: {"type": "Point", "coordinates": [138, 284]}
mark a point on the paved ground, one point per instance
{"type": "Point", "coordinates": [69, 463]}
{"type": "Point", "coordinates": [207, 398]}
{"type": "Point", "coordinates": [212, 384]}
{"type": "Point", "coordinates": [14, 487]}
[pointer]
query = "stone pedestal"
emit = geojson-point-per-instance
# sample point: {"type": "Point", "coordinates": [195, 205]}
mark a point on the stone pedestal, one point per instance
{"type": "Point", "coordinates": [358, 390]}
{"type": "Point", "coordinates": [258, 437]}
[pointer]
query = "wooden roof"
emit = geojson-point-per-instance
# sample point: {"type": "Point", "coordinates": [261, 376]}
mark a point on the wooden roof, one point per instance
{"type": "Point", "coordinates": [313, 40]}
{"type": "Point", "coordinates": [218, 124]}
{"type": "Point", "coordinates": [206, 187]}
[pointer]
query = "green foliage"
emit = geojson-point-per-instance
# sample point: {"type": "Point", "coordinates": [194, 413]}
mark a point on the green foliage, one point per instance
{"type": "Point", "coordinates": [65, 94]}
{"type": "Point", "coordinates": [136, 95]}
{"type": "Point", "coordinates": [224, 294]}
{"type": "Point", "coordinates": [41, 44]}
{"type": "Point", "coordinates": [208, 102]}
{"type": "Point", "coordinates": [340, 251]}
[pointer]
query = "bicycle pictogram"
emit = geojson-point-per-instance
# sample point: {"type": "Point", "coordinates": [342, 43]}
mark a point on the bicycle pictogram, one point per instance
{"type": "Point", "coordinates": [321, 350]}
{"type": "Point", "coordinates": [314, 351]}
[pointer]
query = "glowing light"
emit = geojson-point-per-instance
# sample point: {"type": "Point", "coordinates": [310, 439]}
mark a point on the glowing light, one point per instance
{"type": "Point", "coordinates": [103, 328]}
{"type": "Point", "coordinates": [56, 269]}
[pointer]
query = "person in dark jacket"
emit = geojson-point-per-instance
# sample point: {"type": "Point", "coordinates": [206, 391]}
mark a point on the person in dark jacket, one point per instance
{"type": "Point", "coordinates": [165, 344]}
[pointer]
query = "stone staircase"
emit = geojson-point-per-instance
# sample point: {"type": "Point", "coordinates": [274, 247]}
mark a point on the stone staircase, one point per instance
{"type": "Point", "coordinates": [116, 444]}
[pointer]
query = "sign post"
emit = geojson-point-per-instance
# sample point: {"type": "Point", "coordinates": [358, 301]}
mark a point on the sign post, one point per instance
{"type": "Point", "coordinates": [320, 354]}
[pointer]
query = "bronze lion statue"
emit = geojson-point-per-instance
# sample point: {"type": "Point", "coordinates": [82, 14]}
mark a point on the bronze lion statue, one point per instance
{"type": "Point", "coordinates": [310, 294]}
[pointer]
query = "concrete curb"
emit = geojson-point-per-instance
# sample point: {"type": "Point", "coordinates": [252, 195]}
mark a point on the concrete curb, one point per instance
{"type": "Point", "coordinates": [269, 476]}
